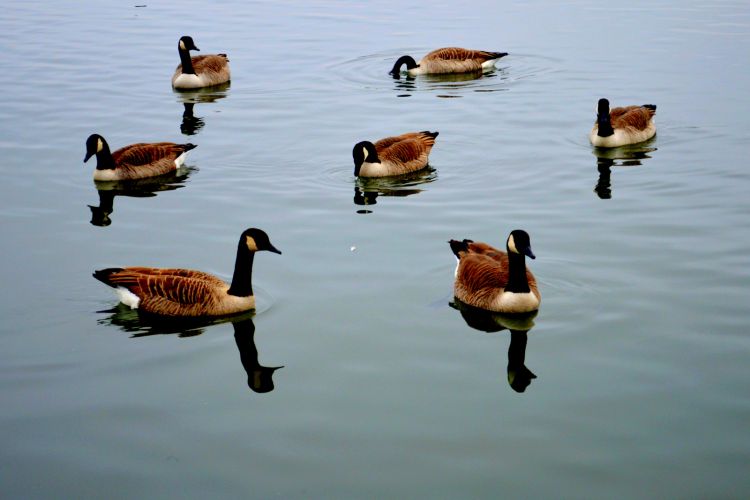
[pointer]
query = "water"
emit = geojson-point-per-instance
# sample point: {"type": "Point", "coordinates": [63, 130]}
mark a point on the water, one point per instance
{"type": "Point", "coordinates": [640, 347]}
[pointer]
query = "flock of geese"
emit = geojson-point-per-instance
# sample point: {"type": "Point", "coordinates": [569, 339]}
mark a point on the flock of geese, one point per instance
{"type": "Point", "coordinates": [486, 278]}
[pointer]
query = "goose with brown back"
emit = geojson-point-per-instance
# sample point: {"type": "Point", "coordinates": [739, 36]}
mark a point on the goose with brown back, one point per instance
{"type": "Point", "coordinates": [395, 155]}
{"type": "Point", "coordinates": [188, 293]}
{"type": "Point", "coordinates": [490, 279]}
{"type": "Point", "coordinates": [199, 71]}
{"type": "Point", "coordinates": [448, 60]}
{"type": "Point", "coordinates": [136, 161]}
{"type": "Point", "coordinates": [622, 126]}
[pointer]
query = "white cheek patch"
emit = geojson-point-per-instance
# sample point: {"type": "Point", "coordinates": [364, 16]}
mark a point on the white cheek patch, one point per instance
{"type": "Point", "coordinates": [512, 244]}
{"type": "Point", "coordinates": [99, 145]}
{"type": "Point", "coordinates": [364, 150]}
{"type": "Point", "coordinates": [182, 45]}
{"type": "Point", "coordinates": [250, 242]}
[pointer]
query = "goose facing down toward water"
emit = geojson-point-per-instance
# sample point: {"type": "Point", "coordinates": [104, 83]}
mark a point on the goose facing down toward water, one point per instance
{"type": "Point", "coordinates": [395, 155]}
{"type": "Point", "coordinates": [199, 71]}
{"type": "Point", "coordinates": [622, 126]}
{"type": "Point", "coordinates": [136, 161]}
{"type": "Point", "coordinates": [188, 293]}
{"type": "Point", "coordinates": [493, 280]}
{"type": "Point", "coordinates": [448, 60]}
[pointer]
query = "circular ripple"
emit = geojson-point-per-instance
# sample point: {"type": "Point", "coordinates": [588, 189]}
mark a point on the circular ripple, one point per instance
{"type": "Point", "coordinates": [370, 72]}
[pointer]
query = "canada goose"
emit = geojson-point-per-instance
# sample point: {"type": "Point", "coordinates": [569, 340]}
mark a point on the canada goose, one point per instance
{"type": "Point", "coordinates": [494, 280]}
{"type": "Point", "coordinates": [199, 71]}
{"type": "Point", "coordinates": [448, 60]}
{"type": "Point", "coordinates": [135, 161]}
{"type": "Point", "coordinates": [188, 293]}
{"type": "Point", "coordinates": [396, 155]}
{"type": "Point", "coordinates": [622, 126]}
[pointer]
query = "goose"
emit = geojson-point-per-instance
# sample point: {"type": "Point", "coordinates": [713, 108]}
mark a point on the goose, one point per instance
{"type": "Point", "coordinates": [493, 280]}
{"type": "Point", "coordinates": [448, 60]}
{"type": "Point", "coordinates": [395, 155]}
{"type": "Point", "coordinates": [136, 161]}
{"type": "Point", "coordinates": [199, 71]}
{"type": "Point", "coordinates": [622, 126]}
{"type": "Point", "coordinates": [187, 293]}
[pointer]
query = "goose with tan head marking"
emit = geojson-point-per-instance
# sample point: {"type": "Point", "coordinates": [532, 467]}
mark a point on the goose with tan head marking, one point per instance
{"type": "Point", "coordinates": [448, 60]}
{"type": "Point", "coordinates": [494, 280]}
{"type": "Point", "coordinates": [395, 155]}
{"type": "Point", "coordinates": [199, 71]}
{"type": "Point", "coordinates": [622, 126]}
{"type": "Point", "coordinates": [136, 161]}
{"type": "Point", "coordinates": [188, 293]}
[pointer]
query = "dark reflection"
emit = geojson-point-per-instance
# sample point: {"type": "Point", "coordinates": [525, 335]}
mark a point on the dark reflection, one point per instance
{"type": "Point", "coordinates": [406, 85]}
{"type": "Point", "coordinates": [139, 188]}
{"type": "Point", "coordinates": [139, 324]}
{"type": "Point", "coordinates": [519, 376]}
{"type": "Point", "coordinates": [259, 377]}
{"type": "Point", "coordinates": [626, 156]}
{"type": "Point", "coordinates": [191, 124]}
{"type": "Point", "coordinates": [367, 189]}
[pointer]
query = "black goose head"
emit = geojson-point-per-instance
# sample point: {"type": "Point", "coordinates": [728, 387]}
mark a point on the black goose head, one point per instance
{"type": "Point", "coordinates": [364, 151]}
{"type": "Point", "coordinates": [186, 43]}
{"type": "Point", "coordinates": [257, 240]}
{"type": "Point", "coordinates": [94, 144]}
{"type": "Point", "coordinates": [602, 119]}
{"type": "Point", "coordinates": [410, 64]}
{"type": "Point", "coordinates": [519, 243]}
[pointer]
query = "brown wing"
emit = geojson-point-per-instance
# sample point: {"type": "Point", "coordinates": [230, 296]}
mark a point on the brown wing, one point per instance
{"type": "Point", "coordinates": [169, 294]}
{"type": "Point", "coordinates": [389, 141]}
{"type": "Point", "coordinates": [185, 273]}
{"type": "Point", "coordinates": [147, 153]}
{"type": "Point", "coordinates": [460, 54]}
{"type": "Point", "coordinates": [636, 117]}
{"type": "Point", "coordinates": [215, 63]}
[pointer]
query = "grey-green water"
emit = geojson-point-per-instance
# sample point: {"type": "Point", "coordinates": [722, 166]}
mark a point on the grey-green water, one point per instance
{"type": "Point", "coordinates": [640, 347]}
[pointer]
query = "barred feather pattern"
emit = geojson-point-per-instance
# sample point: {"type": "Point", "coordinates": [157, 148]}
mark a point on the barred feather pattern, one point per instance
{"type": "Point", "coordinates": [635, 117]}
{"type": "Point", "coordinates": [404, 153]}
{"type": "Point", "coordinates": [212, 69]}
{"type": "Point", "coordinates": [146, 160]}
{"type": "Point", "coordinates": [456, 60]}
{"type": "Point", "coordinates": [482, 276]}
{"type": "Point", "coordinates": [179, 292]}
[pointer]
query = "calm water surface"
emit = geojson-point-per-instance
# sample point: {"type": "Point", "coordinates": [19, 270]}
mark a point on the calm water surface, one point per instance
{"type": "Point", "coordinates": [356, 378]}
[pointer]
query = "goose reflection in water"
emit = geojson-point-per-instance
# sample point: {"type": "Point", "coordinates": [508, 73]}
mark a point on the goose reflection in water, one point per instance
{"type": "Point", "coordinates": [140, 188]}
{"type": "Point", "coordinates": [626, 156]}
{"type": "Point", "coordinates": [519, 376]}
{"type": "Point", "coordinates": [138, 324]}
{"type": "Point", "coordinates": [407, 85]}
{"type": "Point", "coordinates": [367, 189]}
{"type": "Point", "coordinates": [192, 124]}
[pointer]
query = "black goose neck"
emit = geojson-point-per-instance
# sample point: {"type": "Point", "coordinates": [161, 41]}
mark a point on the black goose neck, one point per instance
{"type": "Point", "coordinates": [605, 126]}
{"type": "Point", "coordinates": [104, 159]}
{"type": "Point", "coordinates": [187, 61]}
{"type": "Point", "coordinates": [517, 282]}
{"type": "Point", "coordinates": [242, 280]}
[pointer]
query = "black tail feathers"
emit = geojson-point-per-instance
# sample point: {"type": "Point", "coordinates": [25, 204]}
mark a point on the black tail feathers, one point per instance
{"type": "Point", "coordinates": [459, 246]}
{"type": "Point", "coordinates": [187, 147]}
{"type": "Point", "coordinates": [430, 134]}
{"type": "Point", "coordinates": [652, 107]}
{"type": "Point", "coordinates": [103, 274]}
{"type": "Point", "coordinates": [498, 55]}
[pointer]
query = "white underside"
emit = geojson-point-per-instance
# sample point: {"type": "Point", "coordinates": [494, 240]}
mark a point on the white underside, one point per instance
{"type": "Point", "coordinates": [372, 170]}
{"type": "Point", "coordinates": [511, 302]}
{"type": "Point", "coordinates": [623, 137]}
{"type": "Point", "coordinates": [189, 81]}
{"type": "Point", "coordinates": [489, 64]}
{"type": "Point", "coordinates": [109, 174]}
{"type": "Point", "coordinates": [127, 297]}
{"type": "Point", "coordinates": [180, 160]}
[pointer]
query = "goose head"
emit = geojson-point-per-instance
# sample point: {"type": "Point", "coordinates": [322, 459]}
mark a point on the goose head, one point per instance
{"type": "Point", "coordinates": [519, 243]}
{"type": "Point", "coordinates": [364, 152]}
{"type": "Point", "coordinates": [94, 144]}
{"type": "Point", "coordinates": [257, 240]}
{"type": "Point", "coordinates": [410, 64]}
{"type": "Point", "coordinates": [186, 43]}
